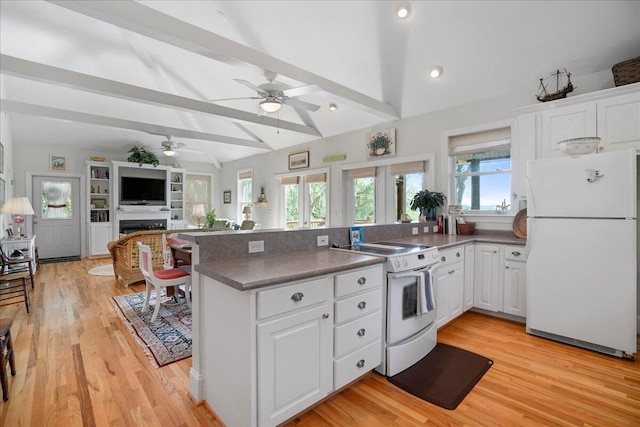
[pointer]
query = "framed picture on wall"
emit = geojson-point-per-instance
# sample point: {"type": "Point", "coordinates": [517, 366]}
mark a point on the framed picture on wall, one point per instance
{"type": "Point", "coordinates": [57, 163]}
{"type": "Point", "coordinates": [226, 196]}
{"type": "Point", "coordinates": [299, 160]}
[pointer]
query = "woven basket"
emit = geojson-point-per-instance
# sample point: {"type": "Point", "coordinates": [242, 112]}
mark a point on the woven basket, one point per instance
{"type": "Point", "coordinates": [626, 72]}
{"type": "Point", "coordinates": [467, 228]}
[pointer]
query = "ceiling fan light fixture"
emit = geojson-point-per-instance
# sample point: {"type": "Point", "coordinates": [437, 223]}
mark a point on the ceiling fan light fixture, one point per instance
{"type": "Point", "coordinates": [436, 71]}
{"type": "Point", "coordinates": [168, 151]}
{"type": "Point", "coordinates": [270, 105]}
{"type": "Point", "coordinates": [403, 10]}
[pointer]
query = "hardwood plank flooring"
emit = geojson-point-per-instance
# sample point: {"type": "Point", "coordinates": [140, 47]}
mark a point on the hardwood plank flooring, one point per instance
{"type": "Point", "coordinates": [78, 365]}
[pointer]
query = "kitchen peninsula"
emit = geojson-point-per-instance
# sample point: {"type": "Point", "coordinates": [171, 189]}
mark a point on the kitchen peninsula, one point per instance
{"type": "Point", "coordinates": [267, 327]}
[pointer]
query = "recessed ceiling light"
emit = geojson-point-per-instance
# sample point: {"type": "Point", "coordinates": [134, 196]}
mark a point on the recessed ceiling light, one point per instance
{"type": "Point", "coordinates": [436, 71]}
{"type": "Point", "coordinates": [333, 107]}
{"type": "Point", "coordinates": [403, 10]}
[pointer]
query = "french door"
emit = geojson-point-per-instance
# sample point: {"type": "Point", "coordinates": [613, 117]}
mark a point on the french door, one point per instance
{"type": "Point", "coordinates": [56, 223]}
{"type": "Point", "coordinates": [305, 200]}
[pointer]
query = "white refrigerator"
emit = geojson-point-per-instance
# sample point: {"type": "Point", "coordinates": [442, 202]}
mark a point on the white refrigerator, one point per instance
{"type": "Point", "coordinates": [581, 241]}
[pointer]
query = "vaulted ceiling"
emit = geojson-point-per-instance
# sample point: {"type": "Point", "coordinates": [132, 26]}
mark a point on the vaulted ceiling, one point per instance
{"type": "Point", "coordinates": [105, 75]}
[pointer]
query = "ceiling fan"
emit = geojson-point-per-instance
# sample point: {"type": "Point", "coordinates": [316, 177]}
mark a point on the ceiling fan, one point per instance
{"type": "Point", "coordinates": [170, 148]}
{"type": "Point", "coordinates": [274, 94]}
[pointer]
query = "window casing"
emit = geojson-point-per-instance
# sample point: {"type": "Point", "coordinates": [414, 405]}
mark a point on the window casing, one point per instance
{"type": "Point", "coordinates": [245, 194]}
{"type": "Point", "coordinates": [305, 200]}
{"type": "Point", "coordinates": [481, 174]}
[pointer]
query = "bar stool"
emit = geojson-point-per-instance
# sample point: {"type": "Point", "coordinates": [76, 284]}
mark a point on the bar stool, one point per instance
{"type": "Point", "coordinates": [6, 356]}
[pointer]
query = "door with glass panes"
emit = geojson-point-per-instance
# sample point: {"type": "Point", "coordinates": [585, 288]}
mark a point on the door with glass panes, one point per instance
{"type": "Point", "coordinates": [305, 201]}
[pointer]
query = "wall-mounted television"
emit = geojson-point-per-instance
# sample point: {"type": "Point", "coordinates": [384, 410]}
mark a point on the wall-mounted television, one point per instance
{"type": "Point", "coordinates": [143, 191]}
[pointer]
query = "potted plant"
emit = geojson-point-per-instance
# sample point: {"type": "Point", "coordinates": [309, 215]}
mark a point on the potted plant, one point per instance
{"type": "Point", "coordinates": [426, 202]}
{"type": "Point", "coordinates": [140, 156]}
{"type": "Point", "coordinates": [210, 218]}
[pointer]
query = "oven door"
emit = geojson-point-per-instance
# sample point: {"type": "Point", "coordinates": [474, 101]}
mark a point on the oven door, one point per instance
{"type": "Point", "coordinates": [403, 304]}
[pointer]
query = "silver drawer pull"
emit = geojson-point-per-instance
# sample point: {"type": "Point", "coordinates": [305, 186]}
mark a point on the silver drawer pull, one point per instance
{"type": "Point", "coordinates": [516, 253]}
{"type": "Point", "coordinates": [457, 254]}
{"type": "Point", "coordinates": [362, 305]}
{"type": "Point", "coordinates": [362, 280]}
{"type": "Point", "coordinates": [325, 316]}
{"type": "Point", "coordinates": [297, 297]}
{"type": "Point", "coordinates": [443, 259]}
{"type": "Point", "coordinates": [361, 332]}
{"type": "Point", "coordinates": [360, 363]}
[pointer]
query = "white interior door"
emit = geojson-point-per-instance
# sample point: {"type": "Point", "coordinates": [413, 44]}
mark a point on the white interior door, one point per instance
{"type": "Point", "coordinates": [56, 223]}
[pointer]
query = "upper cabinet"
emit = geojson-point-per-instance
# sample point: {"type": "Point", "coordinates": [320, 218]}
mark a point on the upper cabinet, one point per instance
{"type": "Point", "coordinates": [612, 114]}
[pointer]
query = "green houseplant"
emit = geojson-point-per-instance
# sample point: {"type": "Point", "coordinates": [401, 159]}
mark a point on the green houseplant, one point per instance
{"type": "Point", "coordinates": [141, 156]}
{"type": "Point", "coordinates": [426, 202]}
{"type": "Point", "coordinates": [210, 218]}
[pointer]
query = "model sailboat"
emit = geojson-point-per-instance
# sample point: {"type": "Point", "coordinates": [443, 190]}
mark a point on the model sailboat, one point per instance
{"type": "Point", "coordinates": [563, 86]}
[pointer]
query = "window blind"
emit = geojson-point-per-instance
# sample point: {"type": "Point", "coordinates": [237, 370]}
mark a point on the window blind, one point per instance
{"type": "Point", "coordinates": [315, 177]}
{"type": "Point", "coordinates": [244, 175]}
{"type": "Point", "coordinates": [405, 168]}
{"type": "Point", "coordinates": [362, 173]}
{"type": "Point", "coordinates": [290, 180]}
{"type": "Point", "coordinates": [494, 139]}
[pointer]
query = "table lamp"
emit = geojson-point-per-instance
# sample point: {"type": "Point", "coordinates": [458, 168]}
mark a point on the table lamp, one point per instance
{"type": "Point", "coordinates": [18, 206]}
{"type": "Point", "coordinates": [246, 211]}
{"type": "Point", "coordinates": [198, 213]}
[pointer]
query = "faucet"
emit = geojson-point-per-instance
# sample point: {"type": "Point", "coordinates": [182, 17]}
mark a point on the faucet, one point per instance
{"type": "Point", "coordinates": [504, 207]}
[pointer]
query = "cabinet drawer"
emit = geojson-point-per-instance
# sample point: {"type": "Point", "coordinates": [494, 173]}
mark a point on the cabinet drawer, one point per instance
{"type": "Point", "coordinates": [357, 333]}
{"type": "Point", "coordinates": [450, 256]}
{"type": "Point", "coordinates": [514, 253]}
{"type": "Point", "coordinates": [358, 305]}
{"type": "Point", "coordinates": [293, 297]}
{"type": "Point", "coordinates": [358, 280]}
{"type": "Point", "coordinates": [356, 364]}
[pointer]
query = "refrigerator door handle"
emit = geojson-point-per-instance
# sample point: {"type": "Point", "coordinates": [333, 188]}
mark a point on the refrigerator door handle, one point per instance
{"type": "Point", "coordinates": [530, 209]}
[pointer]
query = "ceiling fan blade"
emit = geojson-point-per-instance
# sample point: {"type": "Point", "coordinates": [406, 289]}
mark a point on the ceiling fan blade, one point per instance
{"type": "Point", "coordinates": [189, 150]}
{"type": "Point", "coordinates": [250, 86]}
{"type": "Point", "coordinates": [301, 90]}
{"type": "Point", "coordinates": [301, 104]}
{"type": "Point", "coordinates": [233, 99]}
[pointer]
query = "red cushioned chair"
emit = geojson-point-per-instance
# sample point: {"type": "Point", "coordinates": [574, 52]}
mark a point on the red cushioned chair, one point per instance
{"type": "Point", "coordinates": [161, 279]}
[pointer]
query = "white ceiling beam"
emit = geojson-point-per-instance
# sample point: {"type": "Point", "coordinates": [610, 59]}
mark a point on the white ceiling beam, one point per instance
{"type": "Point", "coordinates": [48, 74]}
{"type": "Point", "coordinates": [150, 128]}
{"type": "Point", "coordinates": [144, 20]}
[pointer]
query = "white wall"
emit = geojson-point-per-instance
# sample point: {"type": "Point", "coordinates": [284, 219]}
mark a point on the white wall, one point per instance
{"type": "Point", "coordinates": [7, 161]}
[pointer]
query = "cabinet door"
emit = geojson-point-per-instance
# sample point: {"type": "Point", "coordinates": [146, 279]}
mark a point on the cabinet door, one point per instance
{"type": "Point", "coordinates": [572, 121]}
{"type": "Point", "coordinates": [469, 272]}
{"type": "Point", "coordinates": [99, 236]}
{"type": "Point", "coordinates": [443, 282]}
{"type": "Point", "coordinates": [294, 363]}
{"type": "Point", "coordinates": [456, 290]}
{"type": "Point", "coordinates": [449, 293]}
{"type": "Point", "coordinates": [515, 288]}
{"type": "Point", "coordinates": [487, 278]}
{"type": "Point", "coordinates": [619, 121]}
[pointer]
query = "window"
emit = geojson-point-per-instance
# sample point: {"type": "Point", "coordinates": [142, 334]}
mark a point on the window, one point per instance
{"type": "Point", "coordinates": [305, 200]}
{"type": "Point", "coordinates": [481, 178]}
{"type": "Point", "coordinates": [364, 195]}
{"type": "Point", "coordinates": [408, 179]}
{"type": "Point", "coordinates": [197, 192]}
{"type": "Point", "coordinates": [245, 194]}
{"type": "Point", "coordinates": [56, 200]}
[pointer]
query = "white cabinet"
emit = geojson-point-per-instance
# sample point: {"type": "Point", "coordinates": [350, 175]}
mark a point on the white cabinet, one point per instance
{"type": "Point", "coordinates": [358, 324]}
{"type": "Point", "coordinates": [295, 349]}
{"type": "Point", "coordinates": [99, 235]}
{"type": "Point", "coordinates": [449, 286]}
{"type": "Point", "coordinates": [573, 121]}
{"type": "Point", "coordinates": [469, 267]}
{"type": "Point", "coordinates": [488, 277]}
{"type": "Point", "coordinates": [619, 121]}
{"type": "Point", "coordinates": [515, 281]}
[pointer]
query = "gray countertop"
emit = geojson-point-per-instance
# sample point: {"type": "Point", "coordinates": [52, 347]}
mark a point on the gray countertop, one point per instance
{"type": "Point", "coordinates": [261, 271]}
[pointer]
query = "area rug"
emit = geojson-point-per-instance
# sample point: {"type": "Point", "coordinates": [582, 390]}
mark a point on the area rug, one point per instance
{"type": "Point", "coordinates": [102, 270]}
{"type": "Point", "coordinates": [164, 341]}
{"type": "Point", "coordinates": [444, 376]}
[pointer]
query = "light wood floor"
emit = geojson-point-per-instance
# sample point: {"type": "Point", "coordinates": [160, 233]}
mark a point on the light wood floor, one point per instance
{"type": "Point", "coordinates": [78, 365]}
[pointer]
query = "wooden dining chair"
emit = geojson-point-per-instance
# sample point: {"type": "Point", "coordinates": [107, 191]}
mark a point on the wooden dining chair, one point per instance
{"type": "Point", "coordinates": [159, 279]}
{"type": "Point", "coordinates": [13, 265]}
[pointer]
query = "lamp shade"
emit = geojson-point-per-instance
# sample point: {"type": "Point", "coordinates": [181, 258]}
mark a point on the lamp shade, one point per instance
{"type": "Point", "coordinates": [270, 105]}
{"type": "Point", "coordinates": [246, 210]}
{"type": "Point", "coordinates": [17, 206]}
{"type": "Point", "coordinates": [198, 211]}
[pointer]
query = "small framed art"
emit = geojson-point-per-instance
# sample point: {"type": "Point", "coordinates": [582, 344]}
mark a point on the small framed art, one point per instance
{"type": "Point", "coordinates": [299, 160]}
{"type": "Point", "coordinates": [226, 196]}
{"type": "Point", "coordinates": [57, 163]}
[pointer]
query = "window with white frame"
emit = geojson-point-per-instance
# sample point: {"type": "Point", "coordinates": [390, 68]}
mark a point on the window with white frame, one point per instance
{"type": "Point", "coordinates": [245, 194]}
{"type": "Point", "coordinates": [363, 183]}
{"type": "Point", "coordinates": [197, 192]}
{"type": "Point", "coordinates": [408, 179]}
{"type": "Point", "coordinates": [305, 200]}
{"type": "Point", "coordinates": [481, 175]}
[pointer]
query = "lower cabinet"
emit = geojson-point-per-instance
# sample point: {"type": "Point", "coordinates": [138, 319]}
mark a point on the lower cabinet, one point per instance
{"type": "Point", "coordinates": [469, 270]}
{"type": "Point", "coordinates": [515, 281]}
{"type": "Point", "coordinates": [99, 235]}
{"type": "Point", "coordinates": [488, 277]}
{"type": "Point", "coordinates": [449, 285]}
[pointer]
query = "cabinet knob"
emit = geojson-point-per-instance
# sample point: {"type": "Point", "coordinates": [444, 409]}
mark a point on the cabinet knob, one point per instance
{"type": "Point", "coordinates": [325, 316]}
{"type": "Point", "coordinates": [451, 271]}
{"type": "Point", "coordinates": [443, 259]}
{"type": "Point", "coordinates": [297, 297]}
{"type": "Point", "coordinates": [506, 266]}
{"type": "Point", "coordinates": [495, 252]}
{"type": "Point", "coordinates": [360, 363]}
{"type": "Point", "coordinates": [361, 332]}
{"type": "Point", "coordinates": [362, 280]}
{"type": "Point", "coordinates": [516, 253]}
{"type": "Point", "coordinates": [457, 254]}
{"type": "Point", "coordinates": [362, 305]}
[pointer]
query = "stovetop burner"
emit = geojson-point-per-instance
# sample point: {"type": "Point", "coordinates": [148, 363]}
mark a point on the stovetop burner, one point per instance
{"type": "Point", "coordinates": [400, 256]}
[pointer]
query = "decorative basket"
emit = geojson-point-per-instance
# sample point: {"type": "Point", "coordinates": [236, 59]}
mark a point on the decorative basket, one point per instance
{"type": "Point", "coordinates": [467, 228]}
{"type": "Point", "coordinates": [626, 72]}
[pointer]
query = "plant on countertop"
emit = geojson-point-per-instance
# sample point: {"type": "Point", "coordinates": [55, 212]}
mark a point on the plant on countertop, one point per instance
{"type": "Point", "coordinates": [210, 218]}
{"type": "Point", "coordinates": [427, 201]}
{"type": "Point", "coordinates": [141, 156]}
